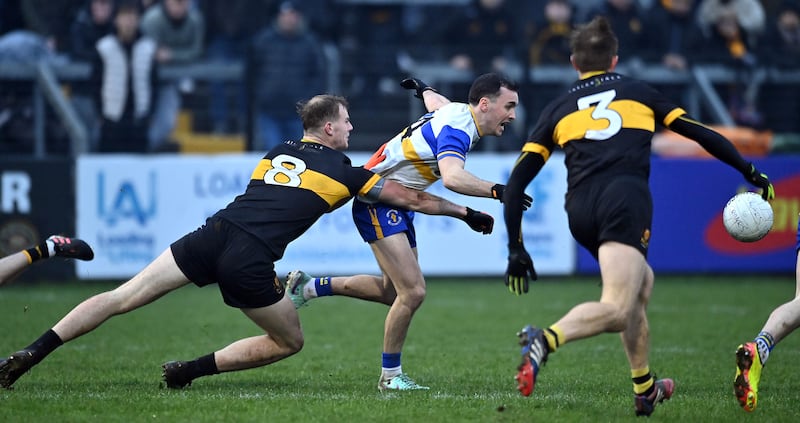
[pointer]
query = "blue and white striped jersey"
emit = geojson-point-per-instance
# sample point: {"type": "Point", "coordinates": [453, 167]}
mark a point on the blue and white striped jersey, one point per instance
{"type": "Point", "coordinates": [411, 157]}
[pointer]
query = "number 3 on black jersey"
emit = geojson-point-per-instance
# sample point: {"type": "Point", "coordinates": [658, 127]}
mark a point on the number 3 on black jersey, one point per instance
{"type": "Point", "coordinates": [601, 101]}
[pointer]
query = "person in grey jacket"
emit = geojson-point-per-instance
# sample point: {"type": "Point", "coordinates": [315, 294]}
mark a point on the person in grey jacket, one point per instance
{"type": "Point", "coordinates": [179, 30]}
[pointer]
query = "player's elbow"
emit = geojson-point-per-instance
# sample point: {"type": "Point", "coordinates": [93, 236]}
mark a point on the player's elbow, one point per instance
{"type": "Point", "coordinates": [450, 182]}
{"type": "Point", "coordinates": [435, 104]}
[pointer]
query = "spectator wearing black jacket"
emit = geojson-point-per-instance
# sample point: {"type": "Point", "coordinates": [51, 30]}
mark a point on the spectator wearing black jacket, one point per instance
{"type": "Point", "coordinates": [668, 31]}
{"type": "Point", "coordinates": [230, 25]}
{"type": "Point", "coordinates": [627, 21]}
{"type": "Point", "coordinates": [780, 49]}
{"type": "Point", "coordinates": [285, 65]}
{"type": "Point", "coordinates": [50, 19]}
{"type": "Point", "coordinates": [92, 23]}
{"type": "Point", "coordinates": [780, 46]}
{"type": "Point", "coordinates": [484, 36]}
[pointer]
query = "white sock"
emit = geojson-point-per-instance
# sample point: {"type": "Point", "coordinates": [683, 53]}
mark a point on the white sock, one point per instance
{"type": "Point", "coordinates": [391, 372]}
{"type": "Point", "coordinates": [309, 290]}
{"type": "Point", "coordinates": [51, 247]}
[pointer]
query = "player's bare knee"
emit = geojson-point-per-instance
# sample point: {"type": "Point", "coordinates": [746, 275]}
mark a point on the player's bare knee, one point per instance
{"type": "Point", "coordinates": [292, 342]}
{"type": "Point", "coordinates": [296, 344]}
{"type": "Point", "coordinates": [414, 297]}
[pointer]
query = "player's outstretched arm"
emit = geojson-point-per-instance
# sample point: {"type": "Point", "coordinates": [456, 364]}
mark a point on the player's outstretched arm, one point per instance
{"type": "Point", "coordinates": [423, 202]}
{"type": "Point", "coordinates": [457, 179]}
{"type": "Point", "coordinates": [721, 148]}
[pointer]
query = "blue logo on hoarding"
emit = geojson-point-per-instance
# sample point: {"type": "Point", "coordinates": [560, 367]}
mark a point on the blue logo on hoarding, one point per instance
{"type": "Point", "coordinates": [126, 201]}
{"type": "Point", "coordinates": [127, 247]}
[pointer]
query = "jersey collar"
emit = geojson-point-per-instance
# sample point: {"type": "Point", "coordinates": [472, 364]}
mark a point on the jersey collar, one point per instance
{"type": "Point", "coordinates": [587, 75]}
{"type": "Point", "coordinates": [474, 119]}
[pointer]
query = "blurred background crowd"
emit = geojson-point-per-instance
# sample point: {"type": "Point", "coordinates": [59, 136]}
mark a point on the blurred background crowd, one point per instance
{"type": "Point", "coordinates": [239, 66]}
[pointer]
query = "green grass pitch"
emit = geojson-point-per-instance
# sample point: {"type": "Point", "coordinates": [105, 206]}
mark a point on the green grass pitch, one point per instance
{"type": "Point", "coordinates": [462, 343]}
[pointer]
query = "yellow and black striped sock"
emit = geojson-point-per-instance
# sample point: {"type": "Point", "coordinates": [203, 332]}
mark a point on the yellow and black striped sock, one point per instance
{"type": "Point", "coordinates": [643, 382]}
{"type": "Point", "coordinates": [554, 336]}
{"type": "Point", "coordinates": [37, 253]}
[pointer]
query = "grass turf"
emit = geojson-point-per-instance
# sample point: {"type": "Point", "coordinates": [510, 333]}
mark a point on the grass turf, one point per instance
{"type": "Point", "coordinates": [462, 343]}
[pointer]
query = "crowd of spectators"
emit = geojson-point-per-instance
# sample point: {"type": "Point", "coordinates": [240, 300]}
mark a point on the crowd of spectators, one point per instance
{"type": "Point", "coordinates": [282, 47]}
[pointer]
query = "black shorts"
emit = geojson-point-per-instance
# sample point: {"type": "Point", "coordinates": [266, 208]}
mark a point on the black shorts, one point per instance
{"type": "Point", "coordinates": [617, 209]}
{"type": "Point", "coordinates": [219, 252]}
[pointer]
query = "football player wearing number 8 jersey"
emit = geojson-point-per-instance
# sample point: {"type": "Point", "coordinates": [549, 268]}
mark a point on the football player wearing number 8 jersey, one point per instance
{"type": "Point", "coordinates": [604, 123]}
{"type": "Point", "coordinates": [290, 188]}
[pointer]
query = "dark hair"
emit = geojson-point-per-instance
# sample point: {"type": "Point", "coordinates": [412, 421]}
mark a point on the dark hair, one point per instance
{"type": "Point", "coordinates": [488, 85]}
{"type": "Point", "coordinates": [320, 109]}
{"type": "Point", "coordinates": [593, 45]}
{"type": "Point", "coordinates": [789, 6]}
{"type": "Point", "coordinates": [134, 6]}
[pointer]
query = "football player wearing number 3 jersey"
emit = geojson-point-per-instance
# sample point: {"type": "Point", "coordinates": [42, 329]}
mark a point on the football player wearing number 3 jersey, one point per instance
{"type": "Point", "coordinates": [432, 148]}
{"type": "Point", "coordinates": [290, 188]}
{"type": "Point", "coordinates": [604, 123]}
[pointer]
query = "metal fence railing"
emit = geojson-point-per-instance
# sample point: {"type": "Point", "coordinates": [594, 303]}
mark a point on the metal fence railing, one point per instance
{"type": "Point", "coordinates": [698, 85]}
{"type": "Point", "coordinates": [48, 76]}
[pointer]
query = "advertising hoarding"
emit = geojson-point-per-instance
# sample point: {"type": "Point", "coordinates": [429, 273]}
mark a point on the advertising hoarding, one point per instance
{"type": "Point", "coordinates": [132, 207]}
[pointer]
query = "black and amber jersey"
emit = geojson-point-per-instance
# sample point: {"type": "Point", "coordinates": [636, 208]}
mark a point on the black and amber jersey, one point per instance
{"type": "Point", "coordinates": [604, 124]}
{"type": "Point", "coordinates": [293, 186]}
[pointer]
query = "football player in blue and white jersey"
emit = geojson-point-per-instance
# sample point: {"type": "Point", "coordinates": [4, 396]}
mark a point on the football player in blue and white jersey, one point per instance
{"type": "Point", "coordinates": [752, 356]}
{"type": "Point", "coordinates": [432, 148]}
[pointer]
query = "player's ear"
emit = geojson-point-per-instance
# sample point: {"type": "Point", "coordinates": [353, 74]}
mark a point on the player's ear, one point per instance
{"type": "Point", "coordinates": [614, 61]}
{"type": "Point", "coordinates": [328, 128]}
{"type": "Point", "coordinates": [484, 103]}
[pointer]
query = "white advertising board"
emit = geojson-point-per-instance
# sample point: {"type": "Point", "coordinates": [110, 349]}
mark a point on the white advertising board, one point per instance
{"type": "Point", "coordinates": [132, 207]}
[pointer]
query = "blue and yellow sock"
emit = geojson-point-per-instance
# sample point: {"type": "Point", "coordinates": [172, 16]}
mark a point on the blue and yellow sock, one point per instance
{"type": "Point", "coordinates": [765, 343]}
{"type": "Point", "coordinates": [323, 287]}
